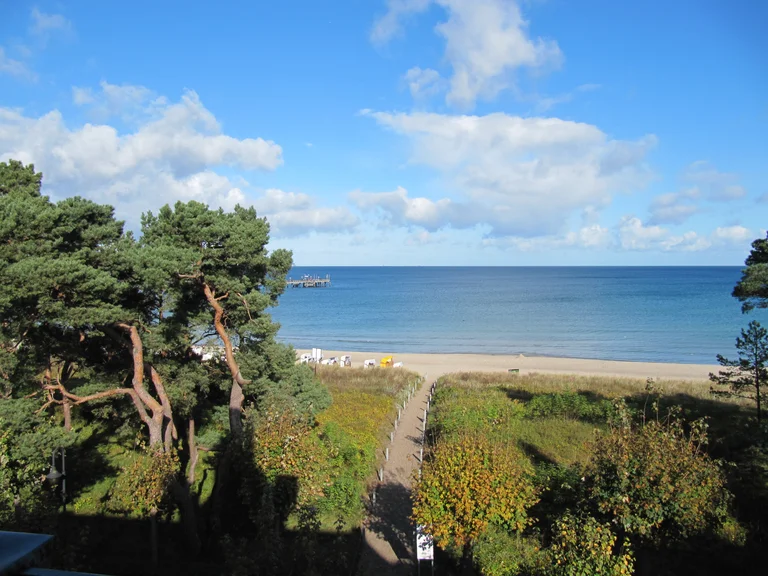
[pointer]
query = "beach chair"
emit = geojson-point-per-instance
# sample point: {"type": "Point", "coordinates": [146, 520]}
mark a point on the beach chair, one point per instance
{"type": "Point", "coordinates": [346, 360]}
{"type": "Point", "coordinates": [397, 365]}
{"type": "Point", "coordinates": [386, 362]}
{"type": "Point", "coordinates": [305, 359]}
{"type": "Point", "coordinates": [369, 363]}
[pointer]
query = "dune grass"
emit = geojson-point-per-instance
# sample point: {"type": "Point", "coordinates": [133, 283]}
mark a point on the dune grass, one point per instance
{"type": "Point", "coordinates": [588, 399]}
{"type": "Point", "coordinates": [358, 422]}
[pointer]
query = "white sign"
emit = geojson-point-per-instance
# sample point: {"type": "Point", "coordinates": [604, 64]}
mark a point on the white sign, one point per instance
{"type": "Point", "coordinates": [424, 548]}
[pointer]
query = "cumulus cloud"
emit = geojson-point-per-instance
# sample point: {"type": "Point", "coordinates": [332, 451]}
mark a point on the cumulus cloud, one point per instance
{"type": "Point", "coordinates": [630, 234]}
{"type": "Point", "coordinates": [593, 237]}
{"type": "Point", "coordinates": [171, 155]}
{"type": "Point", "coordinates": [423, 82]}
{"type": "Point", "coordinates": [486, 41]}
{"type": "Point", "coordinates": [717, 186]}
{"type": "Point", "coordinates": [733, 235]}
{"type": "Point", "coordinates": [15, 67]}
{"type": "Point", "coordinates": [520, 176]}
{"type": "Point", "coordinates": [400, 209]}
{"type": "Point", "coordinates": [292, 213]}
{"type": "Point", "coordinates": [634, 235]}
{"type": "Point", "coordinates": [674, 207]}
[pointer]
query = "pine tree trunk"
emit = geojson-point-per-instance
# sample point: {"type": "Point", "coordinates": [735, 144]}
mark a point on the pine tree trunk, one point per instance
{"type": "Point", "coordinates": [67, 409]}
{"type": "Point", "coordinates": [193, 452]}
{"type": "Point", "coordinates": [236, 396]}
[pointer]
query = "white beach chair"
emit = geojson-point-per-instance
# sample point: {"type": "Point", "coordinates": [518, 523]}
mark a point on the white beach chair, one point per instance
{"type": "Point", "coordinates": [369, 363]}
{"type": "Point", "coordinates": [305, 359]}
{"type": "Point", "coordinates": [346, 360]}
{"type": "Point", "coordinates": [397, 365]}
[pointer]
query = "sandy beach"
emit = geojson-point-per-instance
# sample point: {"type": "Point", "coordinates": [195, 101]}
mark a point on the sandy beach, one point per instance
{"type": "Point", "coordinates": [435, 365]}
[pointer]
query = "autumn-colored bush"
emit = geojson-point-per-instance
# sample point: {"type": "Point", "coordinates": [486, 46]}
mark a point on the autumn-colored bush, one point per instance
{"type": "Point", "coordinates": [654, 479]}
{"type": "Point", "coordinates": [141, 488]}
{"type": "Point", "coordinates": [584, 546]}
{"type": "Point", "coordinates": [469, 484]}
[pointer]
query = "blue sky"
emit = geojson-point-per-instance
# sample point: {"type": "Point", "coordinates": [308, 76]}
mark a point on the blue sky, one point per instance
{"type": "Point", "coordinates": [409, 132]}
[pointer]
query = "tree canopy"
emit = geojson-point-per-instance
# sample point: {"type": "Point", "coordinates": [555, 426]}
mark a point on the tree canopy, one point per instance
{"type": "Point", "coordinates": [103, 328]}
{"type": "Point", "coordinates": [752, 289]}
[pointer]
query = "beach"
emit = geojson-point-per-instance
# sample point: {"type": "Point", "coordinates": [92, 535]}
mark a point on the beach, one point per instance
{"type": "Point", "coordinates": [435, 365]}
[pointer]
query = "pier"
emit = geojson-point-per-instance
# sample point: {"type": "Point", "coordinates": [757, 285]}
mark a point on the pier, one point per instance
{"type": "Point", "coordinates": [308, 281]}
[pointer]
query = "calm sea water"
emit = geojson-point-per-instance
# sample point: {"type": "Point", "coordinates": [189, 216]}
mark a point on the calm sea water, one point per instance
{"type": "Point", "coordinates": [662, 314]}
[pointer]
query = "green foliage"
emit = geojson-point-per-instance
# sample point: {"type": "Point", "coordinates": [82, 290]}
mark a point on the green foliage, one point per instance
{"type": "Point", "coordinates": [27, 439]}
{"type": "Point", "coordinates": [328, 459]}
{"type": "Point", "coordinates": [496, 552]}
{"type": "Point", "coordinates": [142, 487]}
{"type": "Point", "coordinates": [655, 480]}
{"type": "Point", "coordinates": [584, 546]}
{"type": "Point", "coordinates": [752, 288]}
{"type": "Point", "coordinates": [743, 378]}
{"type": "Point", "coordinates": [495, 412]}
{"type": "Point", "coordinates": [569, 405]}
{"type": "Point", "coordinates": [469, 484]}
{"type": "Point", "coordinates": [461, 410]}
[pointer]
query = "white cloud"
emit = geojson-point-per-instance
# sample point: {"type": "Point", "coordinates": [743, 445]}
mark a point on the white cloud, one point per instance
{"type": "Point", "coordinates": [291, 214]}
{"type": "Point", "coordinates": [171, 155]}
{"type": "Point", "coordinates": [389, 24]}
{"type": "Point", "coordinates": [674, 207]}
{"type": "Point", "coordinates": [15, 67]}
{"type": "Point", "coordinates": [423, 82]}
{"type": "Point", "coordinates": [43, 24]}
{"type": "Point", "coordinates": [634, 235]}
{"type": "Point", "coordinates": [520, 176]}
{"type": "Point", "coordinates": [486, 42]}
{"type": "Point", "coordinates": [630, 234]}
{"type": "Point", "coordinates": [593, 237]}
{"type": "Point", "coordinates": [717, 186]}
{"type": "Point", "coordinates": [125, 101]}
{"type": "Point", "coordinates": [82, 96]}
{"type": "Point", "coordinates": [401, 210]}
{"type": "Point", "coordinates": [733, 235]}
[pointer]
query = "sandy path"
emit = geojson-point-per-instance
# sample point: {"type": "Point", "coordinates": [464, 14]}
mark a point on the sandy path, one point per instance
{"type": "Point", "coordinates": [438, 364]}
{"type": "Point", "coordinates": [389, 535]}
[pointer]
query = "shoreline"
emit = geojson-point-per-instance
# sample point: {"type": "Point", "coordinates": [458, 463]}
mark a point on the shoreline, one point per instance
{"type": "Point", "coordinates": [434, 365]}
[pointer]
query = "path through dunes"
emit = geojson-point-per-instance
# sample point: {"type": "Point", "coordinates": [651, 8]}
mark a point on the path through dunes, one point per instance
{"type": "Point", "coordinates": [389, 538]}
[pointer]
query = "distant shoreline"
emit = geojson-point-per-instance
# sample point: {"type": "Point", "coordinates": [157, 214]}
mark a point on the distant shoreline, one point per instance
{"type": "Point", "coordinates": [434, 365]}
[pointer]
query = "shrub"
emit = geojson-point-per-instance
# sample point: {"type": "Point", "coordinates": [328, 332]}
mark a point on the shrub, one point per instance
{"type": "Point", "coordinates": [499, 553]}
{"type": "Point", "coordinates": [569, 405]}
{"type": "Point", "coordinates": [469, 484]}
{"type": "Point", "coordinates": [142, 486]}
{"type": "Point", "coordinates": [655, 480]}
{"type": "Point", "coordinates": [584, 546]}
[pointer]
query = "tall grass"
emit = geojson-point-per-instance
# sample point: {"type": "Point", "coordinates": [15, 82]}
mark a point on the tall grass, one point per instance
{"type": "Point", "coordinates": [606, 386]}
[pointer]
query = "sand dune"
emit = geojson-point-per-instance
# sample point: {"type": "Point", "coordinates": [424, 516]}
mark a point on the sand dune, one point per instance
{"type": "Point", "coordinates": [435, 365]}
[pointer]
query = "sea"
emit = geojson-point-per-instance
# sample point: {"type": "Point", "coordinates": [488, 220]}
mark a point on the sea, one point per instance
{"type": "Point", "coordinates": [649, 314]}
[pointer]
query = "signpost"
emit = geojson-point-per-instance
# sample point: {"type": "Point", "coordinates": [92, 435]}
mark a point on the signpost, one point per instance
{"type": "Point", "coordinates": [425, 549]}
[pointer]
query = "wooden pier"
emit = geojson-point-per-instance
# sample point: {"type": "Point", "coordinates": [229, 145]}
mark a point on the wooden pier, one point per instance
{"type": "Point", "coordinates": [309, 282]}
